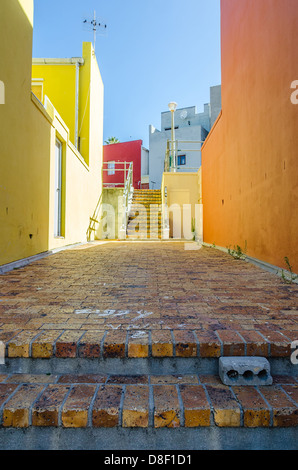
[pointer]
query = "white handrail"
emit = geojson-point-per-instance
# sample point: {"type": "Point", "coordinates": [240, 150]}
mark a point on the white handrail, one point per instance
{"type": "Point", "coordinates": [127, 199]}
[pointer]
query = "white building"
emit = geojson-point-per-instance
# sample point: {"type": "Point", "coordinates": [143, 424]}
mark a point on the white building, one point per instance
{"type": "Point", "coordinates": [189, 126]}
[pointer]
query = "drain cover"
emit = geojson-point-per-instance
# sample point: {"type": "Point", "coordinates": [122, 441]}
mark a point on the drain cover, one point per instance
{"type": "Point", "coordinates": [245, 371]}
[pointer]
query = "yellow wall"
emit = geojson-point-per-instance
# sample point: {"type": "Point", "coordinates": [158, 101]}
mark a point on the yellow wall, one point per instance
{"type": "Point", "coordinates": [59, 80]}
{"type": "Point", "coordinates": [27, 152]}
{"type": "Point", "coordinates": [59, 84]}
{"type": "Point", "coordinates": [183, 201]}
{"type": "Point", "coordinates": [85, 100]}
{"type": "Point", "coordinates": [24, 139]}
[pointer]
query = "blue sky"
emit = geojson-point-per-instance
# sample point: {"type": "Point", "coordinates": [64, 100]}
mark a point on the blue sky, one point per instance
{"type": "Point", "coordinates": [151, 53]}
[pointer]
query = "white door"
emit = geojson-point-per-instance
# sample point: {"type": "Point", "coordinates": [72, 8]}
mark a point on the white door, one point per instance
{"type": "Point", "coordinates": [58, 183]}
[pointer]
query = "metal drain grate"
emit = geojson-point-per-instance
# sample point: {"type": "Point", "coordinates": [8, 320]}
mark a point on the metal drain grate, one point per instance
{"type": "Point", "coordinates": [245, 371]}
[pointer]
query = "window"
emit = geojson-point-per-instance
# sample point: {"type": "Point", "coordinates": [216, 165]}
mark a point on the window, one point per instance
{"type": "Point", "coordinates": [111, 168]}
{"type": "Point", "coordinates": [181, 160]}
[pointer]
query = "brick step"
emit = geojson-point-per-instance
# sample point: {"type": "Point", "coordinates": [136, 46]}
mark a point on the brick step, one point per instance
{"type": "Point", "coordinates": [149, 197]}
{"type": "Point", "coordinates": [145, 211]}
{"type": "Point", "coordinates": [63, 342]}
{"type": "Point", "coordinates": [144, 217]}
{"type": "Point", "coordinates": [147, 191]}
{"type": "Point", "coordinates": [148, 205]}
{"type": "Point", "coordinates": [156, 401]}
{"type": "Point", "coordinates": [143, 227]}
{"type": "Point", "coordinates": [154, 206]}
{"type": "Point", "coordinates": [144, 224]}
{"type": "Point", "coordinates": [144, 221]}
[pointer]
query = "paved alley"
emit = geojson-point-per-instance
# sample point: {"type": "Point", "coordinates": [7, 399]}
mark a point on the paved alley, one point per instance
{"type": "Point", "coordinates": [137, 288]}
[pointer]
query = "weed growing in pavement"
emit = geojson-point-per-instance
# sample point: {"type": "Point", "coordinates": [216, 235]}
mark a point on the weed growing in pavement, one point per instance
{"type": "Point", "coordinates": [290, 277]}
{"type": "Point", "coordinates": [193, 228]}
{"type": "Point", "coordinates": [237, 252]}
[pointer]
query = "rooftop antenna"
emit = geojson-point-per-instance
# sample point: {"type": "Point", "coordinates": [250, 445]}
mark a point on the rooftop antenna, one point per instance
{"type": "Point", "coordinates": [94, 25]}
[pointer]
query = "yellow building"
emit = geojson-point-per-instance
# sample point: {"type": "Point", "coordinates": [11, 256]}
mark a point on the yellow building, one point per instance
{"type": "Point", "coordinates": [182, 215]}
{"type": "Point", "coordinates": [51, 142]}
{"type": "Point", "coordinates": [67, 83]}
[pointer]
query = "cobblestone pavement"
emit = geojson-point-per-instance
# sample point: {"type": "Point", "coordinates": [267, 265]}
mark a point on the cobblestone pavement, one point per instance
{"type": "Point", "coordinates": [147, 286]}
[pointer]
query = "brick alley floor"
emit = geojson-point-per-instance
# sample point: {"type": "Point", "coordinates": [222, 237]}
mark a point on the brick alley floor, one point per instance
{"type": "Point", "coordinates": [127, 287]}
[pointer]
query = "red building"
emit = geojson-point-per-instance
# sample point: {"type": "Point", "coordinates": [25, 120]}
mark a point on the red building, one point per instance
{"type": "Point", "coordinates": [116, 160]}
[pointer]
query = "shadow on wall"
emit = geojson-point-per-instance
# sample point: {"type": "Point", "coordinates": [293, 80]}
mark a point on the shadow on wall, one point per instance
{"type": "Point", "coordinates": [95, 221]}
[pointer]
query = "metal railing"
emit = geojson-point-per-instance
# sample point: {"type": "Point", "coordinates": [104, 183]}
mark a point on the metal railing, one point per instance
{"type": "Point", "coordinates": [165, 216]}
{"type": "Point", "coordinates": [123, 167]}
{"type": "Point", "coordinates": [171, 157]}
{"type": "Point", "coordinates": [127, 199]}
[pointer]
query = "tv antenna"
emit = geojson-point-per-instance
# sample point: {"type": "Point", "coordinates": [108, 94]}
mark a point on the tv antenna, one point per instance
{"type": "Point", "coordinates": [94, 26]}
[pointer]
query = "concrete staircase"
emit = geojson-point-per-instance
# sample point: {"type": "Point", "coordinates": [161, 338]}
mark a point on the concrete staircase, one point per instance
{"type": "Point", "coordinates": [144, 220]}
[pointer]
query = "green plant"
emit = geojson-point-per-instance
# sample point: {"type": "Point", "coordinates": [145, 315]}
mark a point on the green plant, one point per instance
{"type": "Point", "coordinates": [193, 228]}
{"type": "Point", "coordinates": [290, 277]}
{"type": "Point", "coordinates": [237, 251]}
{"type": "Point", "coordinates": [112, 140]}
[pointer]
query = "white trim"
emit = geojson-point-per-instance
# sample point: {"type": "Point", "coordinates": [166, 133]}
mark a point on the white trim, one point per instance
{"type": "Point", "coordinates": [72, 61]}
{"type": "Point", "coordinates": [41, 108]}
{"type": "Point", "coordinates": [2, 92]}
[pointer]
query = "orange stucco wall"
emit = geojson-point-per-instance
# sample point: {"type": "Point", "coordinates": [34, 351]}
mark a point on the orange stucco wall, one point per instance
{"type": "Point", "coordinates": [250, 158]}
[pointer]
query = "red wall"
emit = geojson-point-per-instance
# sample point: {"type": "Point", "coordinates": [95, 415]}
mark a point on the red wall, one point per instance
{"type": "Point", "coordinates": [123, 152]}
{"type": "Point", "coordinates": [249, 160]}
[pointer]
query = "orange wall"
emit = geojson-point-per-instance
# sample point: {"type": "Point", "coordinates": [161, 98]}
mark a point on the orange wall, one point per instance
{"type": "Point", "coordinates": [250, 158]}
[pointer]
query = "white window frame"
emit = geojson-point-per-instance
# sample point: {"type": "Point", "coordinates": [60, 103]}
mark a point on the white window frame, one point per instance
{"type": "Point", "coordinates": [111, 168]}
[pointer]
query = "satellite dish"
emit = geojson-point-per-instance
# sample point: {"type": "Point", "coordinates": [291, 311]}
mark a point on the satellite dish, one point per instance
{"type": "Point", "coordinates": [183, 115]}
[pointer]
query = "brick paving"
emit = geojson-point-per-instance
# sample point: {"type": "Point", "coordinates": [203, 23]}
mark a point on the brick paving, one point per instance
{"type": "Point", "coordinates": [125, 299]}
{"type": "Point", "coordinates": [173, 401]}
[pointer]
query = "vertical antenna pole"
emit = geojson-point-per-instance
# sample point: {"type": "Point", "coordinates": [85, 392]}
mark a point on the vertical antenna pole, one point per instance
{"type": "Point", "coordinates": [94, 31]}
{"type": "Point", "coordinates": [93, 25]}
